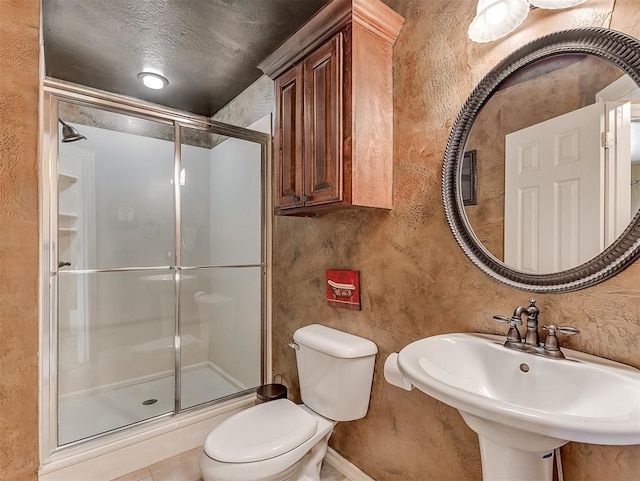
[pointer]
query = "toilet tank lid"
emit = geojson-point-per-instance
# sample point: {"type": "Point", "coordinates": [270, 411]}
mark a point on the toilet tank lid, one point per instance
{"type": "Point", "coordinates": [334, 342]}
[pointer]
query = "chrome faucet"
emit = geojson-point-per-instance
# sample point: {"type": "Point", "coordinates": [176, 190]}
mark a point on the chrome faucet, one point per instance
{"type": "Point", "coordinates": [532, 338]}
{"type": "Point", "coordinates": [531, 342]}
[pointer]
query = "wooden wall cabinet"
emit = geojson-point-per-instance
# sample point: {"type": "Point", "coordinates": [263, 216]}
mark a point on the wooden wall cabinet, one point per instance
{"type": "Point", "coordinates": [334, 110]}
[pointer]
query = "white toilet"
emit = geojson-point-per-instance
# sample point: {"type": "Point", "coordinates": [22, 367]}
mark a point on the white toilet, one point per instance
{"type": "Point", "coordinates": [283, 441]}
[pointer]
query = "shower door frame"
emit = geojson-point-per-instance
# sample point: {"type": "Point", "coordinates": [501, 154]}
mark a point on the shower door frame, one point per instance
{"type": "Point", "coordinates": [53, 91]}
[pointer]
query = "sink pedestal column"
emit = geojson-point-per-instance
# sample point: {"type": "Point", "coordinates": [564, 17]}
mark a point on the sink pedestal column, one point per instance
{"type": "Point", "coordinates": [511, 454]}
{"type": "Point", "coordinates": [500, 463]}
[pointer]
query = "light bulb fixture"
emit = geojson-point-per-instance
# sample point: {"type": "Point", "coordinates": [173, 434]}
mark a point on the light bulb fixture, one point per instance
{"type": "Point", "coordinates": [153, 80]}
{"type": "Point", "coordinates": [555, 4]}
{"type": "Point", "coordinates": [69, 133]}
{"type": "Point", "coordinates": [497, 18]}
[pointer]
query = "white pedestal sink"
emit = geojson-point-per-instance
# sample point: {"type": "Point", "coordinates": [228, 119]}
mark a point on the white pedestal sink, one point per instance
{"type": "Point", "coordinates": [523, 406]}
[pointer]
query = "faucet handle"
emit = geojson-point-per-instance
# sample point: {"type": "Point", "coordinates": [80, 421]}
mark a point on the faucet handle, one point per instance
{"type": "Point", "coordinates": [568, 330]}
{"type": "Point", "coordinates": [551, 342]}
{"type": "Point", "coordinates": [514, 322]}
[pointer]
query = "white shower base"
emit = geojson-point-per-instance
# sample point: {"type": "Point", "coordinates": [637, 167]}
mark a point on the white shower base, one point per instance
{"type": "Point", "coordinates": [99, 411]}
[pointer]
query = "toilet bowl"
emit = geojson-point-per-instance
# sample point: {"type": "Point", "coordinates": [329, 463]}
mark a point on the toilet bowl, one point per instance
{"type": "Point", "coordinates": [274, 441]}
{"type": "Point", "coordinates": [283, 441]}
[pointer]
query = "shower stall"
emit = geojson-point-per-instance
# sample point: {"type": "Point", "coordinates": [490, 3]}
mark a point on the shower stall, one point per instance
{"type": "Point", "coordinates": [154, 264]}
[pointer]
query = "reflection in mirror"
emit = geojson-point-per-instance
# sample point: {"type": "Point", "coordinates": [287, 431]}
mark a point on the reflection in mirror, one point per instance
{"type": "Point", "coordinates": [557, 150]}
{"type": "Point", "coordinates": [540, 78]}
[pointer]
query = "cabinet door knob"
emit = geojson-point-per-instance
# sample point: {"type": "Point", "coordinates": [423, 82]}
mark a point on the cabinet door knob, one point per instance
{"type": "Point", "coordinates": [305, 198]}
{"type": "Point", "coordinates": [295, 198]}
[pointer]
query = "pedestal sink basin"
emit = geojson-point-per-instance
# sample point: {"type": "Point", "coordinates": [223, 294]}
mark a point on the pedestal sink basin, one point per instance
{"type": "Point", "coordinates": [523, 406]}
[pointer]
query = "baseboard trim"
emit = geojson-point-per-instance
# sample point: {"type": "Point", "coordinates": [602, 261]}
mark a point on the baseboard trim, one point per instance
{"type": "Point", "coordinates": [345, 467]}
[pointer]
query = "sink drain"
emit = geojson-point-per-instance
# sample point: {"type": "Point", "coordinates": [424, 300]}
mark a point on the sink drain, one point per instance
{"type": "Point", "coordinates": [149, 402]}
{"type": "Point", "coordinates": [524, 367]}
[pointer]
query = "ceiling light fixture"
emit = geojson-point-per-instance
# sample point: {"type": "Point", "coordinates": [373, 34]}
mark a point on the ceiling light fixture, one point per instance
{"type": "Point", "coordinates": [153, 80]}
{"type": "Point", "coordinates": [496, 18]}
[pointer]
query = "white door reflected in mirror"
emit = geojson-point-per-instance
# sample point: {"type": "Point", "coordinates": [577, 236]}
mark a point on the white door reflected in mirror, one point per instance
{"type": "Point", "coordinates": [567, 193]}
{"type": "Point", "coordinates": [555, 165]}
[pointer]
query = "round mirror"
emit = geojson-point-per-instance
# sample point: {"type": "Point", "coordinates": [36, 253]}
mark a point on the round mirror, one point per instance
{"type": "Point", "coordinates": [541, 178]}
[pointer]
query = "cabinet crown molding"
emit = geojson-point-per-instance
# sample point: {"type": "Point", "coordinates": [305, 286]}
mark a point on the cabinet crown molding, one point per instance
{"type": "Point", "coordinates": [373, 15]}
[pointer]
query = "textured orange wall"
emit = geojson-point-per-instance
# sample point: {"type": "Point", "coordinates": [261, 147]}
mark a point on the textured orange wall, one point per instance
{"type": "Point", "coordinates": [19, 46]}
{"type": "Point", "coordinates": [416, 281]}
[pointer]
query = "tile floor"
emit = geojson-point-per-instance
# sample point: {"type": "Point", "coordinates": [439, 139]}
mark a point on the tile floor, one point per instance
{"type": "Point", "coordinates": [184, 467]}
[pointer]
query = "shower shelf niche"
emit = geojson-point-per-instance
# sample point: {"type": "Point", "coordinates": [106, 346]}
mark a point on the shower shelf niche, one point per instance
{"type": "Point", "coordinates": [66, 221]}
{"type": "Point", "coordinates": [67, 217]}
{"type": "Point", "coordinates": [66, 180]}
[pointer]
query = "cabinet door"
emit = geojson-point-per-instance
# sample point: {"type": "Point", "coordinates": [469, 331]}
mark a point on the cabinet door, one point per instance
{"type": "Point", "coordinates": [288, 167]}
{"type": "Point", "coordinates": [323, 123]}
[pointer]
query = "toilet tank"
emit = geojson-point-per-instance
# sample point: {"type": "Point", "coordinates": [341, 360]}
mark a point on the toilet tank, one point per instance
{"type": "Point", "coordinates": [335, 370]}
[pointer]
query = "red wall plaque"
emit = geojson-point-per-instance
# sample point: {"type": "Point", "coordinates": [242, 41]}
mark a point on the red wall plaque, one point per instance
{"type": "Point", "coordinates": [343, 289]}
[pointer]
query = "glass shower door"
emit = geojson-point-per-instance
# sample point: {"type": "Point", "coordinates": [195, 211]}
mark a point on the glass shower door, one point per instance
{"type": "Point", "coordinates": [116, 289]}
{"type": "Point", "coordinates": [221, 266]}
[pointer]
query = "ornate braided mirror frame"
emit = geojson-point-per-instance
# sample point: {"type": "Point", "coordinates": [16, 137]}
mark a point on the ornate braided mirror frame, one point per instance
{"type": "Point", "coordinates": [615, 47]}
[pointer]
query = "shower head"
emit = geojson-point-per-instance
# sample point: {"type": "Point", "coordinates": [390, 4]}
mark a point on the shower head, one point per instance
{"type": "Point", "coordinates": [70, 134]}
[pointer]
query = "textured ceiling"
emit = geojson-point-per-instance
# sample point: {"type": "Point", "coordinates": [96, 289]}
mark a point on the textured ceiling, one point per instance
{"type": "Point", "coordinates": [208, 49]}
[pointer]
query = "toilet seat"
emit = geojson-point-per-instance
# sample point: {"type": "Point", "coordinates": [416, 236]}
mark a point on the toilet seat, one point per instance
{"type": "Point", "coordinates": [262, 432]}
{"type": "Point", "coordinates": [271, 469]}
